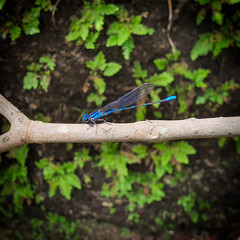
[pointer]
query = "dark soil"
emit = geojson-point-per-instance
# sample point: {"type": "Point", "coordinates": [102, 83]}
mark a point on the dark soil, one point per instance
{"type": "Point", "coordinates": [209, 177]}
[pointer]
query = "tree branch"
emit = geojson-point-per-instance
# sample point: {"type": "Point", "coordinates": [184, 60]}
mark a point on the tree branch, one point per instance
{"type": "Point", "coordinates": [25, 131]}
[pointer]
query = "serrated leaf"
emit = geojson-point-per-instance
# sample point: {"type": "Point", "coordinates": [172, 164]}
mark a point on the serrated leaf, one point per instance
{"type": "Point", "coordinates": [163, 79]}
{"type": "Point", "coordinates": [222, 43]}
{"type": "Point", "coordinates": [201, 16]}
{"type": "Point", "coordinates": [111, 69]}
{"type": "Point", "coordinates": [30, 81]}
{"type": "Point", "coordinates": [15, 33]}
{"type": "Point", "coordinates": [140, 150]}
{"type": "Point", "coordinates": [109, 9]}
{"type": "Point", "coordinates": [93, 97]}
{"type": "Point", "coordinates": [181, 157]}
{"type": "Point", "coordinates": [161, 63]}
{"type": "Point", "coordinates": [217, 17]}
{"type": "Point", "coordinates": [44, 82]}
{"type": "Point", "coordinates": [31, 22]}
{"type": "Point", "coordinates": [138, 72]}
{"type": "Point", "coordinates": [173, 56]}
{"type": "Point", "coordinates": [100, 85]}
{"type": "Point", "coordinates": [112, 41]}
{"type": "Point", "coordinates": [199, 75]}
{"type": "Point", "coordinates": [21, 154]}
{"type": "Point", "coordinates": [166, 157]}
{"type": "Point", "coordinates": [203, 46]}
{"type": "Point", "coordinates": [91, 39]}
{"type": "Point", "coordinates": [187, 148]}
{"type": "Point", "coordinates": [99, 23]}
{"type": "Point", "coordinates": [127, 48]}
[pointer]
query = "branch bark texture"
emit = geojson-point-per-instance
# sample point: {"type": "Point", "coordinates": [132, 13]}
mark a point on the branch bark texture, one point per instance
{"type": "Point", "coordinates": [25, 131]}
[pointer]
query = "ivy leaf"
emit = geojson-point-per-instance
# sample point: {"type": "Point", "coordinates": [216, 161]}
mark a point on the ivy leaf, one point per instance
{"type": "Point", "coordinates": [15, 33]}
{"type": "Point", "coordinates": [111, 69]}
{"type": "Point", "coordinates": [163, 79]}
{"type": "Point", "coordinates": [30, 81]}
{"type": "Point", "coordinates": [203, 46]}
{"type": "Point", "coordinates": [127, 48]}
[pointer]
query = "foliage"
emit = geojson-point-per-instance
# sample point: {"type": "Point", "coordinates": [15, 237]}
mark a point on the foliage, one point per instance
{"type": "Point", "coordinates": [14, 183]}
{"type": "Point", "coordinates": [120, 32]}
{"type": "Point", "coordinates": [99, 68]}
{"type": "Point", "coordinates": [59, 176]}
{"type": "Point", "coordinates": [225, 36]}
{"type": "Point", "coordinates": [41, 117]}
{"type": "Point", "coordinates": [39, 73]}
{"type": "Point", "coordinates": [24, 18]}
{"type": "Point", "coordinates": [170, 69]}
{"type": "Point", "coordinates": [195, 207]}
{"type": "Point", "coordinates": [140, 188]}
{"type": "Point", "coordinates": [64, 226]}
{"type": "Point", "coordinates": [218, 95]}
{"type": "Point", "coordinates": [87, 29]}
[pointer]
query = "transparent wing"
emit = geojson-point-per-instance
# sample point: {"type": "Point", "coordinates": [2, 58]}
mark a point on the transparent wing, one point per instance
{"type": "Point", "coordinates": [130, 98]}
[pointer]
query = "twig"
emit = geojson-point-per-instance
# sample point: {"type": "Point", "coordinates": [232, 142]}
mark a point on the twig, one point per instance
{"type": "Point", "coordinates": [53, 13]}
{"type": "Point", "coordinates": [25, 131]}
{"type": "Point", "coordinates": [170, 16]}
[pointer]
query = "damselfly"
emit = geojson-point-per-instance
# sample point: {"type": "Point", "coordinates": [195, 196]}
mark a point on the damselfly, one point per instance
{"type": "Point", "coordinates": [125, 102]}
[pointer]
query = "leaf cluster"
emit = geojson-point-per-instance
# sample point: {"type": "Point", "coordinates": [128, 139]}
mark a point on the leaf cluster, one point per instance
{"type": "Point", "coordinates": [28, 21]}
{"type": "Point", "coordinates": [39, 73]}
{"type": "Point", "coordinates": [195, 207]}
{"type": "Point", "coordinates": [225, 36]}
{"type": "Point", "coordinates": [99, 68]}
{"type": "Point", "coordinates": [14, 182]}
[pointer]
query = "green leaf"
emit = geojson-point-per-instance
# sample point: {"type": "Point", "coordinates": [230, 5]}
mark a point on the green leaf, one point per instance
{"type": "Point", "coordinates": [99, 22]}
{"type": "Point", "coordinates": [91, 39]}
{"type": "Point", "coordinates": [164, 79]}
{"type": "Point", "coordinates": [2, 2]}
{"type": "Point", "coordinates": [111, 69]}
{"type": "Point", "coordinates": [30, 81]}
{"type": "Point", "coordinates": [217, 17]}
{"type": "Point", "coordinates": [161, 63]}
{"type": "Point", "coordinates": [140, 150]}
{"type": "Point", "coordinates": [199, 75]}
{"type": "Point", "coordinates": [203, 46]}
{"type": "Point", "coordinates": [127, 48]}
{"type": "Point", "coordinates": [80, 158]}
{"type": "Point", "coordinates": [21, 154]}
{"type": "Point", "coordinates": [100, 85]}
{"type": "Point", "coordinates": [181, 157]}
{"type": "Point", "coordinates": [166, 158]}
{"type": "Point", "coordinates": [194, 216]}
{"type": "Point", "coordinates": [98, 63]}
{"type": "Point", "coordinates": [44, 82]}
{"type": "Point", "coordinates": [222, 43]}
{"type": "Point", "coordinates": [173, 56]}
{"type": "Point", "coordinates": [93, 97]}
{"type": "Point", "coordinates": [31, 22]}
{"type": "Point", "coordinates": [203, 2]}
{"type": "Point", "coordinates": [15, 33]}
{"type": "Point", "coordinates": [112, 41]}
{"type": "Point", "coordinates": [201, 16]}
{"type": "Point", "coordinates": [138, 72]}
{"type": "Point", "coordinates": [109, 9]}
{"type": "Point", "coordinates": [141, 113]}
